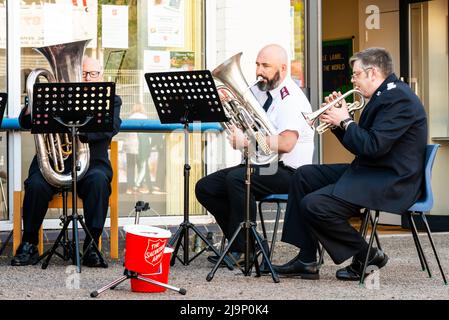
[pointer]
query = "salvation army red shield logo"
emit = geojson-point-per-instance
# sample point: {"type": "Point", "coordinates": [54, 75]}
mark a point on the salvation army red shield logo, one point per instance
{"type": "Point", "coordinates": [155, 251]}
{"type": "Point", "coordinates": [284, 92]}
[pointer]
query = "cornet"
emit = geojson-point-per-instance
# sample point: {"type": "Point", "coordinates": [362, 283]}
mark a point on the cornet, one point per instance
{"type": "Point", "coordinates": [312, 117]}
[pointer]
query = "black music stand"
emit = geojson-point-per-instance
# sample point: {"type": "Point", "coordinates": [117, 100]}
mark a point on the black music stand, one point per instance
{"type": "Point", "coordinates": [67, 108]}
{"type": "Point", "coordinates": [185, 97]}
{"type": "Point", "coordinates": [3, 101]}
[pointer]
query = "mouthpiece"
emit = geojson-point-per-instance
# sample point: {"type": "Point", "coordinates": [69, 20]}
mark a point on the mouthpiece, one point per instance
{"type": "Point", "coordinates": [259, 78]}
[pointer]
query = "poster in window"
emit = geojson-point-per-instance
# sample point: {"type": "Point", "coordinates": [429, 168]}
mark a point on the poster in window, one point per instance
{"type": "Point", "coordinates": [58, 23]}
{"type": "Point", "coordinates": [114, 27]}
{"type": "Point", "coordinates": [43, 24]}
{"type": "Point", "coordinates": [85, 21]}
{"type": "Point", "coordinates": [2, 26]}
{"type": "Point", "coordinates": [182, 61]}
{"type": "Point", "coordinates": [31, 26]}
{"type": "Point", "coordinates": [336, 68]}
{"type": "Point", "coordinates": [155, 61]}
{"type": "Point", "coordinates": [166, 23]}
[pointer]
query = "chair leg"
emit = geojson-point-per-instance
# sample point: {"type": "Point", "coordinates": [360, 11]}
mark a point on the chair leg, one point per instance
{"type": "Point", "coordinates": [421, 256]}
{"type": "Point", "coordinates": [222, 244]}
{"type": "Point", "coordinates": [275, 229]}
{"type": "Point", "coordinates": [375, 234]}
{"type": "Point", "coordinates": [370, 245]}
{"type": "Point", "coordinates": [321, 257]}
{"type": "Point", "coordinates": [6, 242]}
{"type": "Point", "coordinates": [262, 222]}
{"type": "Point", "coordinates": [429, 234]}
{"type": "Point", "coordinates": [364, 226]}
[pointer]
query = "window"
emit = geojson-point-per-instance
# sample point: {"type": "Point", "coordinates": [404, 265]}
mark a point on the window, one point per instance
{"type": "Point", "coordinates": [3, 135]}
{"type": "Point", "coordinates": [297, 14]}
{"type": "Point", "coordinates": [130, 38]}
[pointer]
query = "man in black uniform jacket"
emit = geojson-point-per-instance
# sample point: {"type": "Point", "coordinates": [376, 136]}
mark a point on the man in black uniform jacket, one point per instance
{"type": "Point", "coordinates": [389, 145]}
{"type": "Point", "coordinates": [94, 188]}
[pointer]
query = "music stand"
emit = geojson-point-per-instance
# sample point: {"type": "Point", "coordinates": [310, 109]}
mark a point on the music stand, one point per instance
{"type": "Point", "coordinates": [185, 97]}
{"type": "Point", "coordinates": [3, 101]}
{"type": "Point", "coordinates": [67, 108]}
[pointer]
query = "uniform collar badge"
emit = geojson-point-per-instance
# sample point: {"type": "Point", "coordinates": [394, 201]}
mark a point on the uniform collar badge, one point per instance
{"type": "Point", "coordinates": [391, 85]}
{"type": "Point", "coordinates": [284, 93]}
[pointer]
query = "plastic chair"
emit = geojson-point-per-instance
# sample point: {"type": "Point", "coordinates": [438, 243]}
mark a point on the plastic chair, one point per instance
{"type": "Point", "coordinates": [278, 199]}
{"type": "Point", "coordinates": [420, 207]}
{"type": "Point", "coordinates": [283, 198]}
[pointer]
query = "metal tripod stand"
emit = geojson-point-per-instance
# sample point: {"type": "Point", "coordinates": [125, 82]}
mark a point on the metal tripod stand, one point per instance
{"type": "Point", "coordinates": [182, 234]}
{"type": "Point", "coordinates": [250, 234]}
{"type": "Point", "coordinates": [74, 218]}
{"type": "Point", "coordinates": [140, 206]}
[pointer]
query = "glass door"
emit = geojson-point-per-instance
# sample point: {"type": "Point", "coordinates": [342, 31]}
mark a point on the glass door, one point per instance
{"type": "Point", "coordinates": [412, 53]}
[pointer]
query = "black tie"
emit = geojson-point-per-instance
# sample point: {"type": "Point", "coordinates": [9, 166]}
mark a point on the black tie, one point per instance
{"type": "Point", "coordinates": [267, 103]}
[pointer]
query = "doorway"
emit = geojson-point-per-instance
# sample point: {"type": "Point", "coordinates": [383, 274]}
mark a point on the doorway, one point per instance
{"type": "Point", "coordinates": [398, 26]}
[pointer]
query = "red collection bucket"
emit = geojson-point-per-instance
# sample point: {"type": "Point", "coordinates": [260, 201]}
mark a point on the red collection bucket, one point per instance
{"type": "Point", "coordinates": [161, 276]}
{"type": "Point", "coordinates": [144, 247]}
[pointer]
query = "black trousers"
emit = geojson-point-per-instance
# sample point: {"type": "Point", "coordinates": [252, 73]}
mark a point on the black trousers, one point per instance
{"type": "Point", "coordinates": [94, 189]}
{"type": "Point", "coordinates": [223, 194]}
{"type": "Point", "coordinates": [314, 214]}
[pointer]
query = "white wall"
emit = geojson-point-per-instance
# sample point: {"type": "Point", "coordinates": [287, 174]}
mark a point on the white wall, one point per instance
{"type": "Point", "coordinates": [438, 98]}
{"type": "Point", "coordinates": [244, 26]}
{"type": "Point", "coordinates": [387, 36]}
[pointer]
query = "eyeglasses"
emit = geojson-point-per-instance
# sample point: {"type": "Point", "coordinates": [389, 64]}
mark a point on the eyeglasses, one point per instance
{"type": "Point", "coordinates": [92, 74]}
{"type": "Point", "coordinates": [356, 74]}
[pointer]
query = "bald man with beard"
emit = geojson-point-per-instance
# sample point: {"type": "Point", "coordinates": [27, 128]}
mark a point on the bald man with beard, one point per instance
{"type": "Point", "coordinates": [94, 188]}
{"type": "Point", "coordinates": [223, 193]}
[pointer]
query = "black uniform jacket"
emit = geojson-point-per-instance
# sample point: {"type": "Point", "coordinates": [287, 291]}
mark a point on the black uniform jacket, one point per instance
{"type": "Point", "coordinates": [389, 144]}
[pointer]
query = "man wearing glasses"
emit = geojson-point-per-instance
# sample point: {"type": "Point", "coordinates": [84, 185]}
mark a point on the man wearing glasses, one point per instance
{"type": "Point", "coordinates": [388, 143]}
{"type": "Point", "coordinates": [94, 188]}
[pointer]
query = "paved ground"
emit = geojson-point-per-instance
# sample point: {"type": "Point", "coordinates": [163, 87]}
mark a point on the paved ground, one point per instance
{"type": "Point", "coordinates": [402, 278]}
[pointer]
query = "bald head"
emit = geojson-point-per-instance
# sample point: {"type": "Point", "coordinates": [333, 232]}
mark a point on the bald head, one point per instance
{"type": "Point", "coordinates": [92, 70]}
{"type": "Point", "coordinates": [275, 53]}
{"type": "Point", "coordinates": [271, 65]}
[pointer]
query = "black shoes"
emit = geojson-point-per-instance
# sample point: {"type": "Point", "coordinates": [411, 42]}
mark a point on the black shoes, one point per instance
{"type": "Point", "coordinates": [297, 268]}
{"type": "Point", "coordinates": [92, 260]}
{"type": "Point", "coordinates": [26, 254]}
{"type": "Point", "coordinates": [354, 271]}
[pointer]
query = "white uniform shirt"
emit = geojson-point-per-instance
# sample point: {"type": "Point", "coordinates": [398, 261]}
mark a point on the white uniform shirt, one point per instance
{"type": "Point", "coordinates": [285, 114]}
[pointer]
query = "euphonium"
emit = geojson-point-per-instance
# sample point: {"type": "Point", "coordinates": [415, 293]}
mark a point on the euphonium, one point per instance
{"type": "Point", "coordinates": [243, 110]}
{"type": "Point", "coordinates": [352, 108]}
{"type": "Point", "coordinates": [52, 149]}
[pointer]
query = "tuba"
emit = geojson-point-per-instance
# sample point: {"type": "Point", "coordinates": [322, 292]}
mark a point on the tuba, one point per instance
{"type": "Point", "coordinates": [243, 110]}
{"type": "Point", "coordinates": [52, 149]}
{"type": "Point", "coordinates": [352, 108]}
